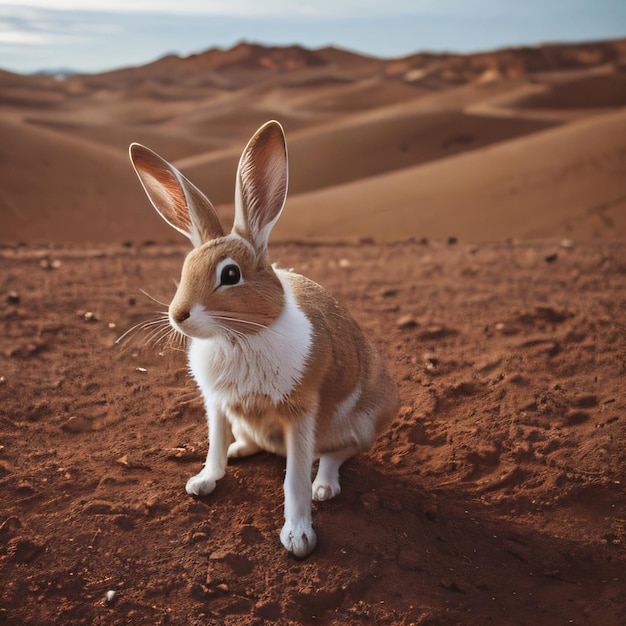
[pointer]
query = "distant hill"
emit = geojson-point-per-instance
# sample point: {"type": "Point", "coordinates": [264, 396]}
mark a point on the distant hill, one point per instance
{"type": "Point", "coordinates": [374, 143]}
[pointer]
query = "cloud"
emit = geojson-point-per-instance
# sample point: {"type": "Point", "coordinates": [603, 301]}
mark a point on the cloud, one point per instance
{"type": "Point", "coordinates": [36, 27]}
{"type": "Point", "coordinates": [280, 9]}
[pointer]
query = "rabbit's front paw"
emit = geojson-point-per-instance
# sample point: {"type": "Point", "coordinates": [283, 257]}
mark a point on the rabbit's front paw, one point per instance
{"type": "Point", "coordinates": [200, 485]}
{"type": "Point", "coordinates": [299, 538]}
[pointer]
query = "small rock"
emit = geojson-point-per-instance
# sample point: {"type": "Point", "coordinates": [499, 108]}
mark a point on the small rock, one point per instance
{"type": "Point", "coordinates": [389, 293]}
{"type": "Point", "coordinates": [77, 425]}
{"type": "Point", "coordinates": [406, 321]}
{"type": "Point", "coordinates": [431, 360]}
{"type": "Point", "coordinates": [551, 258]}
{"type": "Point", "coordinates": [344, 263]}
{"type": "Point", "coordinates": [13, 297]}
{"type": "Point", "coordinates": [437, 331]}
{"type": "Point", "coordinates": [123, 460]}
{"type": "Point", "coordinates": [182, 455]}
{"type": "Point", "coordinates": [110, 597]}
{"type": "Point", "coordinates": [49, 264]}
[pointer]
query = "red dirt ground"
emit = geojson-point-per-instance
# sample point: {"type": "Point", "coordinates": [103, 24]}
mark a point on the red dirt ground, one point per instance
{"type": "Point", "coordinates": [496, 497]}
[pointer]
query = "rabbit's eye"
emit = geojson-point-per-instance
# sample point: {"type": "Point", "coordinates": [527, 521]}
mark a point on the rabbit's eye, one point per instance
{"type": "Point", "coordinates": [231, 274]}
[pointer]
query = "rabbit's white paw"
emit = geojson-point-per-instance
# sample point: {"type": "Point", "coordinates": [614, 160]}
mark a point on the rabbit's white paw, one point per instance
{"type": "Point", "coordinates": [241, 448]}
{"type": "Point", "coordinates": [200, 485]}
{"type": "Point", "coordinates": [299, 538]}
{"type": "Point", "coordinates": [322, 490]}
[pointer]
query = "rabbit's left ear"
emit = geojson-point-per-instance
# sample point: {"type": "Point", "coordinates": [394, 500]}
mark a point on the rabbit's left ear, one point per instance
{"type": "Point", "coordinates": [179, 202]}
{"type": "Point", "coordinates": [261, 188]}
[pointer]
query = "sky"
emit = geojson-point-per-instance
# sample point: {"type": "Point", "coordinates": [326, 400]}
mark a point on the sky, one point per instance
{"type": "Point", "coordinates": [96, 35]}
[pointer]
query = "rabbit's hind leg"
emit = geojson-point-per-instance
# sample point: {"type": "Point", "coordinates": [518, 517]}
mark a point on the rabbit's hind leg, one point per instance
{"type": "Point", "coordinates": [326, 483]}
{"type": "Point", "coordinates": [243, 445]}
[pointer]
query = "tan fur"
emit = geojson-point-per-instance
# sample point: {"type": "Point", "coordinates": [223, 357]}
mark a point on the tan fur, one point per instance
{"type": "Point", "coordinates": [258, 300]}
{"type": "Point", "coordinates": [342, 360]}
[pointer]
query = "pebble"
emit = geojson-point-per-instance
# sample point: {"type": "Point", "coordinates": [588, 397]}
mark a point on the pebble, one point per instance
{"type": "Point", "coordinates": [389, 293]}
{"type": "Point", "coordinates": [77, 425]}
{"type": "Point", "coordinates": [406, 321]}
{"type": "Point", "coordinates": [49, 264]}
{"type": "Point", "coordinates": [13, 297]}
{"type": "Point", "coordinates": [110, 597]}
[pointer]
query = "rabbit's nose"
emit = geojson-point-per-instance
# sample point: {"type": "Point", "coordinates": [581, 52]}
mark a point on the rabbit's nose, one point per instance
{"type": "Point", "coordinates": [180, 316]}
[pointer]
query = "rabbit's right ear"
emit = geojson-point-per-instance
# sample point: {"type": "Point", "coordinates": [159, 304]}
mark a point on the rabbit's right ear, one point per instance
{"type": "Point", "coordinates": [179, 202]}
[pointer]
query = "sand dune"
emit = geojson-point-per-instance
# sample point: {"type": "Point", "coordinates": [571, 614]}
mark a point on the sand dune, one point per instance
{"type": "Point", "coordinates": [68, 190]}
{"type": "Point", "coordinates": [511, 143]}
{"type": "Point", "coordinates": [342, 152]}
{"type": "Point", "coordinates": [567, 181]}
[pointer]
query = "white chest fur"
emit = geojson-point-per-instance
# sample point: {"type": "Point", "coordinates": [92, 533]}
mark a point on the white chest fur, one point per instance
{"type": "Point", "coordinates": [269, 363]}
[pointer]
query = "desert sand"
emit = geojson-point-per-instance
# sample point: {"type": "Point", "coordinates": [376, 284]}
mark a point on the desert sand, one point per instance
{"type": "Point", "coordinates": [468, 210]}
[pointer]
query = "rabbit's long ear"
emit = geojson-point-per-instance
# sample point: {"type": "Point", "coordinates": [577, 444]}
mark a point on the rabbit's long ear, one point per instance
{"type": "Point", "coordinates": [179, 202]}
{"type": "Point", "coordinates": [261, 186]}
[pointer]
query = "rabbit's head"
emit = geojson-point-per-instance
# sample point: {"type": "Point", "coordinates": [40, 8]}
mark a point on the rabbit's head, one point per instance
{"type": "Point", "coordinates": [227, 284]}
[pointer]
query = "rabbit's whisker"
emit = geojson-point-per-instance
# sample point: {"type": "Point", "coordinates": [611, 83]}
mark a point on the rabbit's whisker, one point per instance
{"type": "Point", "coordinates": [145, 293]}
{"type": "Point", "coordinates": [157, 330]}
{"type": "Point", "coordinates": [221, 315]}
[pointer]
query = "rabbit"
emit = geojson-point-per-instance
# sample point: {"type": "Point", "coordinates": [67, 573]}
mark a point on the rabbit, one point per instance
{"type": "Point", "coordinates": [281, 366]}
